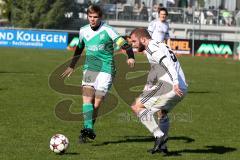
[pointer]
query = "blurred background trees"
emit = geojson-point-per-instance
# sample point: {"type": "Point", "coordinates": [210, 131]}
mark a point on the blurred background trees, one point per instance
{"type": "Point", "coordinates": [38, 13]}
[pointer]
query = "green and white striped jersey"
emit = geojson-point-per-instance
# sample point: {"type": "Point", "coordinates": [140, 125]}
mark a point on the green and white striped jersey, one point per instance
{"type": "Point", "coordinates": [99, 47]}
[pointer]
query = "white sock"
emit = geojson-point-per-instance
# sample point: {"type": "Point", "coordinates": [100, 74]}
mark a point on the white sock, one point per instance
{"type": "Point", "coordinates": [147, 119]}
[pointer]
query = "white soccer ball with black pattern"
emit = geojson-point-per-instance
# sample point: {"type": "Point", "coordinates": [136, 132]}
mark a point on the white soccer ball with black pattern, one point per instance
{"type": "Point", "coordinates": [59, 143]}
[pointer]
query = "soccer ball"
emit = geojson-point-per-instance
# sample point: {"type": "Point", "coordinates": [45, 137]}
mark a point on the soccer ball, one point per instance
{"type": "Point", "coordinates": [59, 143]}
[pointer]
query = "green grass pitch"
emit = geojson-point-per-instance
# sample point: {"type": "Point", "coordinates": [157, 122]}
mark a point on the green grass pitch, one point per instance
{"type": "Point", "coordinates": [204, 126]}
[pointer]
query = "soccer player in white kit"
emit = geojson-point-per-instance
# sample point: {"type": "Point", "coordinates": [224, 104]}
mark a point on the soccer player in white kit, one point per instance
{"type": "Point", "coordinates": [169, 89]}
{"type": "Point", "coordinates": [159, 28]}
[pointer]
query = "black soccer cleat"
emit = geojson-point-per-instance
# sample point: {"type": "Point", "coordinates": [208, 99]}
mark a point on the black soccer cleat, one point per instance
{"type": "Point", "coordinates": [86, 133]}
{"type": "Point", "coordinates": [165, 150]}
{"type": "Point", "coordinates": [159, 141]}
{"type": "Point", "coordinates": [90, 133]}
{"type": "Point", "coordinates": [159, 150]}
{"type": "Point", "coordinates": [83, 137]}
{"type": "Point", "coordinates": [152, 152]}
{"type": "Point", "coordinates": [157, 144]}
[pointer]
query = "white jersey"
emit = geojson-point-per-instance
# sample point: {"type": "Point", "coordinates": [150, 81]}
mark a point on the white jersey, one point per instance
{"type": "Point", "coordinates": [158, 30]}
{"type": "Point", "coordinates": [165, 65]}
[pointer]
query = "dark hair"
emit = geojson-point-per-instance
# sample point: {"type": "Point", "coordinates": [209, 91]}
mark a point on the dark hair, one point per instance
{"type": "Point", "coordinates": [95, 9]}
{"type": "Point", "coordinates": [141, 32]}
{"type": "Point", "coordinates": [162, 9]}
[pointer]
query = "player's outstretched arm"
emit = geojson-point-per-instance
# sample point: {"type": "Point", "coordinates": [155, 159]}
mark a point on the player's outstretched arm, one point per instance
{"type": "Point", "coordinates": [130, 53]}
{"type": "Point", "coordinates": [123, 44]}
{"type": "Point", "coordinates": [74, 61]}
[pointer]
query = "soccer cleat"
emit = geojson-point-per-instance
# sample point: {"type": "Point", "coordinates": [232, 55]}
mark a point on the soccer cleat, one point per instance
{"type": "Point", "coordinates": [86, 133]}
{"type": "Point", "coordinates": [90, 133]}
{"type": "Point", "coordinates": [151, 151]}
{"type": "Point", "coordinates": [156, 148]}
{"type": "Point", "coordinates": [157, 144]}
{"type": "Point", "coordinates": [83, 137]}
{"type": "Point", "coordinates": [160, 150]}
{"type": "Point", "coordinates": [164, 150]}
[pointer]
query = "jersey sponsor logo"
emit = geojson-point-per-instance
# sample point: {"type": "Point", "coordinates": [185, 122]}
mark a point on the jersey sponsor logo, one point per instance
{"type": "Point", "coordinates": [96, 47]}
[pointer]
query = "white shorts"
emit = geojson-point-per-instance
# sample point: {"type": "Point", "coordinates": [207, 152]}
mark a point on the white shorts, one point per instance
{"type": "Point", "coordinates": [100, 81]}
{"type": "Point", "coordinates": [161, 96]}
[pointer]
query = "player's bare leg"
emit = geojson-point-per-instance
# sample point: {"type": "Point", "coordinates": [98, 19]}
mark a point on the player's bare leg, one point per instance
{"type": "Point", "coordinates": [97, 102]}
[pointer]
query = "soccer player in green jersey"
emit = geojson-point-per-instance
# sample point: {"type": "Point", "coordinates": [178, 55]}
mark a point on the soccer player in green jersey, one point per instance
{"type": "Point", "coordinates": [98, 39]}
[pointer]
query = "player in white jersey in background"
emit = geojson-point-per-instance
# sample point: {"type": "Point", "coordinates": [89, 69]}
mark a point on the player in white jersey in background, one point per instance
{"type": "Point", "coordinates": [159, 28]}
{"type": "Point", "coordinates": [169, 89]}
{"type": "Point", "coordinates": [98, 39]}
